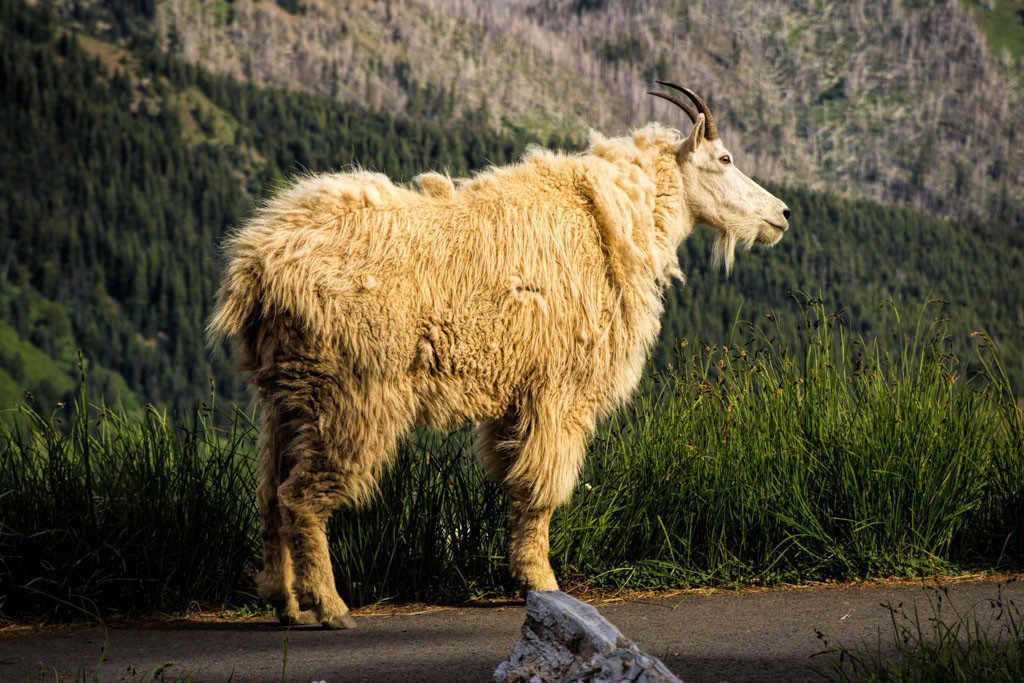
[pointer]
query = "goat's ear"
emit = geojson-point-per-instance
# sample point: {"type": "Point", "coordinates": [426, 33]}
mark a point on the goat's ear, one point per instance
{"type": "Point", "coordinates": [691, 143]}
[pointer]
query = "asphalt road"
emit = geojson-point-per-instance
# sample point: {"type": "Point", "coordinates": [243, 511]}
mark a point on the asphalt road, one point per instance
{"type": "Point", "coordinates": [768, 635]}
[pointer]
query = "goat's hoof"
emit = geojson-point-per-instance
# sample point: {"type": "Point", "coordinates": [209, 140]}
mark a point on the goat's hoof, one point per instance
{"type": "Point", "coordinates": [526, 590]}
{"type": "Point", "coordinates": [540, 581]}
{"type": "Point", "coordinates": [303, 618]}
{"type": "Point", "coordinates": [338, 621]}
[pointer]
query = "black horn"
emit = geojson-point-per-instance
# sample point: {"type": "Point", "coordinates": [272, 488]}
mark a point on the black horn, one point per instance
{"type": "Point", "coordinates": [690, 111]}
{"type": "Point", "coordinates": [710, 129]}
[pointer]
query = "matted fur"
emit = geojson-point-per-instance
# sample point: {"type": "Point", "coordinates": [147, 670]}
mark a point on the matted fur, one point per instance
{"type": "Point", "coordinates": [524, 299]}
{"type": "Point", "coordinates": [541, 278]}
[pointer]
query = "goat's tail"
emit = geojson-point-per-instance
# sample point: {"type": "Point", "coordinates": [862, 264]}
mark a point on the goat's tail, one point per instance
{"type": "Point", "coordinates": [238, 300]}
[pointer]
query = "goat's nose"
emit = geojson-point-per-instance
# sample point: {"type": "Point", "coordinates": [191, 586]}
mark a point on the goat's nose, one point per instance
{"type": "Point", "coordinates": [786, 213]}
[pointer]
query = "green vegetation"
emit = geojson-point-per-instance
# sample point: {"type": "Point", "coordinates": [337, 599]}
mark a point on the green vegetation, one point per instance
{"type": "Point", "coordinates": [26, 365]}
{"type": "Point", "coordinates": [127, 167]}
{"type": "Point", "coordinates": [946, 644]}
{"type": "Point", "coordinates": [759, 462]}
{"type": "Point", "coordinates": [804, 446]}
{"type": "Point", "coordinates": [129, 513]}
{"type": "Point", "coordinates": [858, 255]}
{"type": "Point", "coordinates": [1003, 24]}
{"type": "Point", "coordinates": [40, 354]}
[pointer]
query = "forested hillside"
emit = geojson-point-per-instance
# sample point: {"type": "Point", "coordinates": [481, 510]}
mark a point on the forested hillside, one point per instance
{"type": "Point", "coordinates": [909, 101]}
{"type": "Point", "coordinates": [120, 169]}
{"type": "Point", "coordinates": [121, 165]}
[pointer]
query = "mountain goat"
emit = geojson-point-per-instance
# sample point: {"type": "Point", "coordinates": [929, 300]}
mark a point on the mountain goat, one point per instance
{"type": "Point", "coordinates": [524, 299]}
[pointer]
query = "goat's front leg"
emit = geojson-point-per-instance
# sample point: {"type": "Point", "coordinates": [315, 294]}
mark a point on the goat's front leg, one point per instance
{"type": "Point", "coordinates": [538, 460]}
{"type": "Point", "coordinates": [528, 553]}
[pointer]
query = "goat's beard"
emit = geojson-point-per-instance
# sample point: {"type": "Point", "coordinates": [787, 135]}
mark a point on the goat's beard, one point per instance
{"type": "Point", "coordinates": [723, 254]}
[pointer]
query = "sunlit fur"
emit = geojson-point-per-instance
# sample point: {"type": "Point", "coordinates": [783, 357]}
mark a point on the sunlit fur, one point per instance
{"type": "Point", "coordinates": [524, 300]}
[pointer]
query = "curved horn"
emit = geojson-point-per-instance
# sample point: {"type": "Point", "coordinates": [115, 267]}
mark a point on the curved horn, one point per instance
{"type": "Point", "coordinates": [690, 111]}
{"type": "Point", "coordinates": [711, 130]}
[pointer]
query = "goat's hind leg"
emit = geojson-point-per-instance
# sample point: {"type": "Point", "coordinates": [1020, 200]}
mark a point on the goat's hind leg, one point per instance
{"type": "Point", "coordinates": [336, 454]}
{"type": "Point", "coordinates": [308, 497]}
{"type": "Point", "coordinates": [274, 582]}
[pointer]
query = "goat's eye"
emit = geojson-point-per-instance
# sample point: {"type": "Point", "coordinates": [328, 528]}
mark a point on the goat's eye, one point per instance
{"type": "Point", "coordinates": [725, 159]}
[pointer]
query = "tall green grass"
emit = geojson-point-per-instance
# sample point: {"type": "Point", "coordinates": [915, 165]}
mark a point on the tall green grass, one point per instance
{"type": "Point", "coordinates": [744, 463]}
{"type": "Point", "coordinates": [750, 462]}
{"type": "Point", "coordinates": [124, 513]}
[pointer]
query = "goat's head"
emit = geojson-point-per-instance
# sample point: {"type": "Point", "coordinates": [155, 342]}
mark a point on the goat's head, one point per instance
{"type": "Point", "coordinates": [716, 192]}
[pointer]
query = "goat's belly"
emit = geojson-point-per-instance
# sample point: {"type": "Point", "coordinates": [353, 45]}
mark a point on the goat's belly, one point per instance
{"type": "Point", "coordinates": [447, 403]}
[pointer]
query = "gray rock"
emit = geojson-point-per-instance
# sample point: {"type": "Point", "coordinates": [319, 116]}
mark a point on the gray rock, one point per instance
{"type": "Point", "coordinates": [565, 639]}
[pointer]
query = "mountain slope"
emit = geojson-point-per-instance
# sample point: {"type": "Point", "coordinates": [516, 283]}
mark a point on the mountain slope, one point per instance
{"type": "Point", "coordinates": [892, 101]}
{"type": "Point", "coordinates": [120, 168]}
{"type": "Point", "coordinates": [39, 361]}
